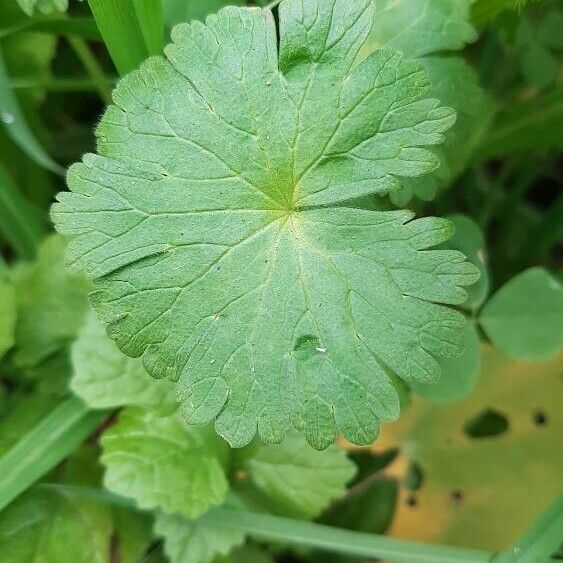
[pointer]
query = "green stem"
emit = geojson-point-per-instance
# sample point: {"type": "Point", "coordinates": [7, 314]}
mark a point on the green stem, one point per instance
{"type": "Point", "coordinates": [327, 538]}
{"type": "Point", "coordinates": [308, 534]}
{"type": "Point", "coordinates": [45, 446]}
{"type": "Point", "coordinates": [93, 68]}
{"type": "Point", "coordinates": [60, 84]}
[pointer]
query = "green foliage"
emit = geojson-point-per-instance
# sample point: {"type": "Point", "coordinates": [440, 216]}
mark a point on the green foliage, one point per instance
{"type": "Point", "coordinates": [158, 462]}
{"type": "Point", "coordinates": [267, 240]}
{"type": "Point", "coordinates": [278, 470]}
{"type": "Point", "coordinates": [45, 7]}
{"type": "Point", "coordinates": [196, 542]}
{"type": "Point", "coordinates": [51, 304]}
{"type": "Point", "coordinates": [421, 28]}
{"type": "Point", "coordinates": [525, 317]}
{"type": "Point", "coordinates": [459, 375]}
{"type": "Point", "coordinates": [8, 316]}
{"type": "Point", "coordinates": [105, 378]}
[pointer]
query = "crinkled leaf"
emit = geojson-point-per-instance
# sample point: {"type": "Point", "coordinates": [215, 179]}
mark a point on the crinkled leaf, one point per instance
{"type": "Point", "coordinates": [281, 470]}
{"type": "Point", "coordinates": [51, 304]}
{"type": "Point", "coordinates": [459, 375]}
{"type": "Point", "coordinates": [7, 316]}
{"type": "Point", "coordinates": [161, 464]}
{"type": "Point", "coordinates": [421, 27]}
{"type": "Point", "coordinates": [524, 318]}
{"type": "Point", "coordinates": [194, 541]}
{"type": "Point", "coordinates": [105, 378]}
{"type": "Point", "coordinates": [207, 224]}
{"type": "Point", "coordinates": [45, 7]}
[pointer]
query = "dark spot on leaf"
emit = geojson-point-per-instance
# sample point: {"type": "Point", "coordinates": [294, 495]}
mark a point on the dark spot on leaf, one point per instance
{"type": "Point", "coordinates": [412, 501]}
{"type": "Point", "coordinates": [457, 496]}
{"type": "Point", "coordinates": [540, 418]}
{"type": "Point", "coordinates": [486, 424]}
{"type": "Point", "coordinates": [415, 477]}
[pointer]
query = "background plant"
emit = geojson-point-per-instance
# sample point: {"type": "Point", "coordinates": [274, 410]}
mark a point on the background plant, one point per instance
{"type": "Point", "coordinates": [121, 458]}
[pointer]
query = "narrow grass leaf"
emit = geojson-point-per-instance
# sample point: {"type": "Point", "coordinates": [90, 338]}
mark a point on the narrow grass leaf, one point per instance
{"type": "Point", "coordinates": [17, 127]}
{"type": "Point", "coordinates": [20, 223]}
{"type": "Point", "coordinates": [151, 22]}
{"type": "Point", "coordinates": [51, 441]}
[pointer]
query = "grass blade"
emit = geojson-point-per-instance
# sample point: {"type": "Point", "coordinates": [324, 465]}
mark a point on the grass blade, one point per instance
{"type": "Point", "coordinates": [77, 27]}
{"type": "Point", "coordinates": [541, 541]}
{"type": "Point", "coordinates": [119, 27]}
{"type": "Point", "coordinates": [94, 70]}
{"type": "Point", "coordinates": [327, 538]}
{"type": "Point", "coordinates": [17, 127]}
{"type": "Point", "coordinates": [51, 441]}
{"type": "Point", "coordinates": [151, 21]}
{"type": "Point", "coordinates": [20, 222]}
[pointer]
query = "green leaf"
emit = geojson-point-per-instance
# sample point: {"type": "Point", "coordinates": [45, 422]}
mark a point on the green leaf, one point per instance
{"type": "Point", "coordinates": [370, 509]}
{"type": "Point", "coordinates": [57, 526]}
{"type": "Point", "coordinates": [179, 11]}
{"type": "Point", "coordinates": [17, 127]}
{"type": "Point", "coordinates": [454, 83]}
{"type": "Point", "coordinates": [160, 464]}
{"type": "Point", "coordinates": [48, 526]}
{"type": "Point", "coordinates": [47, 444]}
{"type": "Point", "coordinates": [422, 27]}
{"type": "Point", "coordinates": [524, 318]}
{"type": "Point", "coordinates": [20, 222]}
{"type": "Point", "coordinates": [279, 470]}
{"type": "Point", "coordinates": [127, 41]}
{"type": "Point", "coordinates": [133, 534]}
{"type": "Point", "coordinates": [459, 375]}
{"type": "Point", "coordinates": [45, 7]}
{"type": "Point", "coordinates": [51, 304]}
{"type": "Point", "coordinates": [211, 229]}
{"type": "Point", "coordinates": [105, 378]}
{"type": "Point", "coordinates": [469, 239]}
{"type": "Point", "coordinates": [532, 126]}
{"type": "Point", "coordinates": [8, 316]}
{"type": "Point", "coordinates": [195, 541]}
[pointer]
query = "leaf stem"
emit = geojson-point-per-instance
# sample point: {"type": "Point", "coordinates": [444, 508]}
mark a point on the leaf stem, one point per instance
{"type": "Point", "coordinates": [92, 67]}
{"type": "Point", "coordinates": [309, 534]}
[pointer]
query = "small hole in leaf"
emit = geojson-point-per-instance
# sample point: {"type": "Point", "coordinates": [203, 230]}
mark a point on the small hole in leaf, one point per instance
{"type": "Point", "coordinates": [457, 496]}
{"type": "Point", "coordinates": [414, 478]}
{"type": "Point", "coordinates": [540, 418]}
{"type": "Point", "coordinates": [412, 501]}
{"type": "Point", "coordinates": [486, 424]}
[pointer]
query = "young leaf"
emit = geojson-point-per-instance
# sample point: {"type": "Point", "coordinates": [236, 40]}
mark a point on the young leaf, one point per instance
{"type": "Point", "coordinates": [7, 317]}
{"type": "Point", "coordinates": [193, 540]}
{"type": "Point", "coordinates": [209, 224]}
{"type": "Point", "coordinates": [160, 464]}
{"type": "Point", "coordinates": [459, 375]}
{"type": "Point", "coordinates": [524, 318]}
{"type": "Point", "coordinates": [279, 470]}
{"type": "Point", "coordinates": [105, 378]}
{"type": "Point", "coordinates": [422, 27]}
{"type": "Point", "coordinates": [51, 304]}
